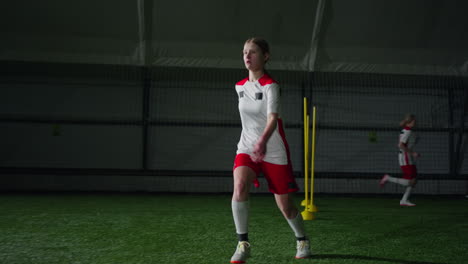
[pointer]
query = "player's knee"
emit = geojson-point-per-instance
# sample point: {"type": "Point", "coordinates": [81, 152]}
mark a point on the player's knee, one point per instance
{"type": "Point", "coordinates": [288, 211]}
{"type": "Point", "coordinates": [240, 189]}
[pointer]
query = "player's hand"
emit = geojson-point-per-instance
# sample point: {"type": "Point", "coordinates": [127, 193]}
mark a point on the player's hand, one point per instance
{"type": "Point", "coordinates": [415, 154]}
{"type": "Point", "coordinates": [259, 151]}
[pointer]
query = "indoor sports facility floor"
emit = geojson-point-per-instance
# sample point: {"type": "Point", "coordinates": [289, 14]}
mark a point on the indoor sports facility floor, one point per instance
{"type": "Point", "coordinates": [103, 228]}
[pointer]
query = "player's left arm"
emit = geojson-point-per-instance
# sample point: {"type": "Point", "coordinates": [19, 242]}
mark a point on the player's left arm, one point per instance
{"type": "Point", "coordinates": [273, 105]}
{"type": "Point", "coordinates": [260, 147]}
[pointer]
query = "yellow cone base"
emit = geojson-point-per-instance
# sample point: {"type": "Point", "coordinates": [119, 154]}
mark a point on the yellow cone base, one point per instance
{"type": "Point", "coordinates": [306, 215]}
{"type": "Point", "coordinates": [313, 208]}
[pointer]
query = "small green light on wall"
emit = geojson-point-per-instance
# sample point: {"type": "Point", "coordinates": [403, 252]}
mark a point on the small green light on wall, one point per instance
{"type": "Point", "coordinates": [373, 136]}
{"type": "Point", "coordinates": [56, 130]}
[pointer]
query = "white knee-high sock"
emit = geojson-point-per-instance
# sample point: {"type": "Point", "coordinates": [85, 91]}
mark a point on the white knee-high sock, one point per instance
{"type": "Point", "coordinates": [240, 212]}
{"type": "Point", "coordinates": [407, 193]}
{"type": "Point", "coordinates": [297, 225]}
{"type": "Point", "coordinates": [400, 181]}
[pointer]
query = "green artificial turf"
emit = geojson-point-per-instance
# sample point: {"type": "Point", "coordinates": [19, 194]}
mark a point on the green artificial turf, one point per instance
{"type": "Point", "coordinates": [168, 228]}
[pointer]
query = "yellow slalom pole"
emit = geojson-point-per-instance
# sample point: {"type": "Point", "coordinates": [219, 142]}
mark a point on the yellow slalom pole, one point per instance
{"type": "Point", "coordinates": [306, 155]}
{"type": "Point", "coordinates": [312, 207]}
{"type": "Point", "coordinates": [306, 214]}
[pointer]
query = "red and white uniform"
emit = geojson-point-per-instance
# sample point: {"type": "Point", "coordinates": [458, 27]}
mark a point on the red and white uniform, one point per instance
{"type": "Point", "coordinates": [257, 100]}
{"type": "Point", "coordinates": [404, 157]}
{"type": "Point", "coordinates": [406, 160]}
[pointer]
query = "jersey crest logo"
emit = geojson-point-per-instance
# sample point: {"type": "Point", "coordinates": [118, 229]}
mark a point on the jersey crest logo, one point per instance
{"type": "Point", "coordinates": [258, 96]}
{"type": "Point", "coordinates": [241, 94]}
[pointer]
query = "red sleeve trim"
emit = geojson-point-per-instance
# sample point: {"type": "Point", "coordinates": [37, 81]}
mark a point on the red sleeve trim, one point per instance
{"type": "Point", "coordinates": [266, 79]}
{"type": "Point", "coordinates": [242, 82]}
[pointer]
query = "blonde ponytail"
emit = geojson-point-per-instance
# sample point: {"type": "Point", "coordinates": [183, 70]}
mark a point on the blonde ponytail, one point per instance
{"type": "Point", "coordinates": [408, 119]}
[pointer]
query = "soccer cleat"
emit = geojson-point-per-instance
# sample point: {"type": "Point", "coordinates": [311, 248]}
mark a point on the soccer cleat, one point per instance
{"type": "Point", "coordinates": [383, 180]}
{"type": "Point", "coordinates": [406, 203]}
{"type": "Point", "coordinates": [303, 249]}
{"type": "Point", "coordinates": [242, 252]}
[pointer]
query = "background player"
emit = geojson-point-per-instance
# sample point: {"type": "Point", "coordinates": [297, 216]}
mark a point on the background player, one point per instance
{"type": "Point", "coordinates": [262, 148]}
{"type": "Point", "coordinates": [406, 158]}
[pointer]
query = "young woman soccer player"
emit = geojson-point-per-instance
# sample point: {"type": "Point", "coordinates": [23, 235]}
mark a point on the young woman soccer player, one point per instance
{"type": "Point", "coordinates": [406, 157]}
{"type": "Point", "coordinates": [262, 148]}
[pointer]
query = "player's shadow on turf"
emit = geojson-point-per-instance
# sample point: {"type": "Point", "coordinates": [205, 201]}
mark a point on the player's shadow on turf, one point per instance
{"type": "Point", "coordinates": [356, 257]}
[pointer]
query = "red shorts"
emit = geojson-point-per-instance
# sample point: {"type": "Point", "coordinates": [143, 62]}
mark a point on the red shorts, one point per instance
{"type": "Point", "coordinates": [280, 178]}
{"type": "Point", "coordinates": [409, 171]}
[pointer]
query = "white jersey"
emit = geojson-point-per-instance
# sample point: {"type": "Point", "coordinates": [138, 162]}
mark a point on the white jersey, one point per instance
{"type": "Point", "coordinates": [257, 100]}
{"type": "Point", "coordinates": [406, 137]}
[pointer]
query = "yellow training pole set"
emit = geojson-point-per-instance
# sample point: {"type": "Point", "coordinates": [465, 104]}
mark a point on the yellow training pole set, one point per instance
{"type": "Point", "coordinates": [310, 208]}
